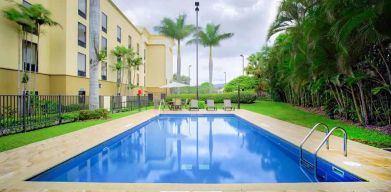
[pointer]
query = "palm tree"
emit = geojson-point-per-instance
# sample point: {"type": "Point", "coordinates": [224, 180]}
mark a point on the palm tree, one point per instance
{"type": "Point", "coordinates": [177, 30]}
{"type": "Point", "coordinates": [211, 37]}
{"type": "Point", "coordinates": [94, 53]}
{"type": "Point", "coordinates": [119, 52]}
{"type": "Point", "coordinates": [40, 17]}
{"type": "Point", "coordinates": [133, 61]}
{"type": "Point", "coordinates": [29, 18]}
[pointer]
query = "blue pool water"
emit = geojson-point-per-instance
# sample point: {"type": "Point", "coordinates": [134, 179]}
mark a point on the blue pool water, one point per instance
{"type": "Point", "coordinates": [193, 149]}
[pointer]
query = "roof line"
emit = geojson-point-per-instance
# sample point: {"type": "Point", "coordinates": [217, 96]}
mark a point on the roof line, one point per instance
{"type": "Point", "coordinates": [123, 15]}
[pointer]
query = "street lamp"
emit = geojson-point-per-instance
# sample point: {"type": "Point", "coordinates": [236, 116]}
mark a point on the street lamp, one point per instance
{"type": "Point", "coordinates": [196, 10]}
{"type": "Point", "coordinates": [242, 63]}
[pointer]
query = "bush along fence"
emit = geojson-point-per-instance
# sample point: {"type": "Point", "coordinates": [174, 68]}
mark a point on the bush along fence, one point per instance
{"type": "Point", "coordinates": [21, 113]}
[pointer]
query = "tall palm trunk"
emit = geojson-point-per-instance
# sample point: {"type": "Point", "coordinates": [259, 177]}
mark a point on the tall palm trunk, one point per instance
{"type": "Point", "coordinates": [20, 49]}
{"type": "Point", "coordinates": [93, 50]}
{"type": "Point", "coordinates": [178, 66]}
{"type": "Point", "coordinates": [210, 68]}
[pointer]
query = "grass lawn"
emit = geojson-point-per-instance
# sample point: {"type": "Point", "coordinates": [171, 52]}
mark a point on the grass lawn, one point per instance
{"type": "Point", "coordinates": [297, 116]}
{"type": "Point", "coordinates": [20, 139]}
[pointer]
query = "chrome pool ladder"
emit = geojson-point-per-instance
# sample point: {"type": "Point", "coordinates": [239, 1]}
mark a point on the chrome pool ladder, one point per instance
{"type": "Point", "coordinates": [308, 136]}
{"type": "Point", "coordinates": [345, 143]}
{"type": "Point", "coordinates": [325, 140]}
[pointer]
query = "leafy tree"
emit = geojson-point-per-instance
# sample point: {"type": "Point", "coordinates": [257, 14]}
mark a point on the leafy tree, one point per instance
{"type": "Point", "coordinates": [247, 83]}
{"type": "Point", "coordinates": [182, 79]}
{"type": "Point", "coordinates": [177, 30]}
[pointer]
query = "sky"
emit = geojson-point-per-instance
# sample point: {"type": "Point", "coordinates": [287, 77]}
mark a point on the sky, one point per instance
{"type": "Point", "coordinates": [249, 20]}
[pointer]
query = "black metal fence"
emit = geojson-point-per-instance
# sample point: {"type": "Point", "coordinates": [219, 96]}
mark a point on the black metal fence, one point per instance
{"type": "Point", "coordinates": [20, 113]}
{"type": "Point", "coordinates": [126, 103]}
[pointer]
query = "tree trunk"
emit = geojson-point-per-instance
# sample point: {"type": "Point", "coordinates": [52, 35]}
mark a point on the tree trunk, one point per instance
{"type": "Point", "coordinates": [94, 51]}
{"type": "Point", "coordinates": [20, 40]}
{"type": "Point", "coordinates": [363, 103]}
{"type": "Point", "coordinates": [36, 63]}
{"type": "Point", "coordinates": [178, 66]}
{"type": "Point", "coordinates": [356, 107]}
{"type": "Point", "coordinates": [210, 69]}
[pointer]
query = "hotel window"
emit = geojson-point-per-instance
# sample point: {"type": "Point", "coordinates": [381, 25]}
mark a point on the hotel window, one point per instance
{"type": "Point", "coordinates": [81, 65]}
{"type": "Point", "coordinates": [30, 56]}
{"type": "Point", "coordinates": [104, 44]}
{"type": "Point", "coordinates": [129, 42]}
{"type": "Point", "coordinates": [104, 71]}
{"type": "Point", "coordinates": [138, 49]}
{"type": "Point", "coordinates": [119, 34]}
{"type": "Point", "coordinates": [104, 22]}
{"type": "Point", "coordinates": [82, 35]}
{"type": "Point", "coordinates": [82, 8]}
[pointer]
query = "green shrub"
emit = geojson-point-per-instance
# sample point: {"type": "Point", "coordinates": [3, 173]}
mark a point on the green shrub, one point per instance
{"type": "Point", "coordinates": [245, 97]}
{"type": "Point", "coordinates": [103, 113]}
{"type": "Point", "coordinates": [72, 116]}
{"type": "Point", "coordinates": [201, 104]}
{"type": "Point", "coordinates": [96, 114]}
{"type": "Point", "coordinates": [247, 83]}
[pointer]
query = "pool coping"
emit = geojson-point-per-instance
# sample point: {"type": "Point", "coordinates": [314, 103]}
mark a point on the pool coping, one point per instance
{"type": "Point", "coordinates": [22, 163]}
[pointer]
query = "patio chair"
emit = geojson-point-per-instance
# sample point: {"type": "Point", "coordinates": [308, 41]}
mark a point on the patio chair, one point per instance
{"type": "Point", "coordinates": [178, 104]}
{"type": "Point", "coordinates": [210, 105]}
{"type": "Point", "coordinates": [228, 105]}
{"type": "Point", "coordinates": [194, 105]}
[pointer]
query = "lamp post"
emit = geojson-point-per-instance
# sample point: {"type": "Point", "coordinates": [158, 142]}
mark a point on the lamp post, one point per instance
{"type": "Point", "coordinates": [242, 63]}
{"type": "Point", "coordinates": [196, 10]}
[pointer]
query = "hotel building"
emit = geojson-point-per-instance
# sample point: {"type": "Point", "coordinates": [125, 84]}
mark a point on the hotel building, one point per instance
{"type": "Point", "coordinates": [62, 59]}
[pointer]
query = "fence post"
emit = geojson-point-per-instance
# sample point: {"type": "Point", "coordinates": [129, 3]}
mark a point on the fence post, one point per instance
{"type": "Point", "coordinates": [59, 109]}
{"type": "Point", "coordinates": [24, 112]}
{"type": "Point", "coordinates": [238, 96]}
{"type": "Point", "coordinates": [111, 103]}
{"type": "Point", "coordinates": [138, 102]}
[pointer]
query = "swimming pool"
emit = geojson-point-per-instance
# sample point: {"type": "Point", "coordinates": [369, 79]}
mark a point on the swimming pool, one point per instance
{"type": "Point", "coordinates": [194, 149]}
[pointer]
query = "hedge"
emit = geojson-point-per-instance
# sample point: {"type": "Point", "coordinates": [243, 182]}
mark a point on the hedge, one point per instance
{"type": "Point", "coordinates": [245, 97]}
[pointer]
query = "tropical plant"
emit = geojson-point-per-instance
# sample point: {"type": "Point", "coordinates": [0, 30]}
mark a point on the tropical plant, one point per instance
{"type": "Point", "coordinates": [30, 19]}
{"type": "Point", "coordinates": [177, 30]}
{"type": "Point", "coordinates": [210, 37]}
{"type": "Point", "coordinates": [120, 53]}
{"type": "Point", "coordinates": [318, 60]}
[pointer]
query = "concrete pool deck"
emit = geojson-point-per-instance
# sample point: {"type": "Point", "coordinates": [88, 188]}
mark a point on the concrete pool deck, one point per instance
{"type": "Point", "coordinates": [20, 164]}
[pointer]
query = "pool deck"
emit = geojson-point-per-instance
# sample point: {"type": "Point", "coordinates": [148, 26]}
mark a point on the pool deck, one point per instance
{"type": "Point", "coordinates": [17, 165]}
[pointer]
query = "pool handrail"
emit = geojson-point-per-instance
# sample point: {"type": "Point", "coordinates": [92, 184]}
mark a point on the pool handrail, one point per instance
{"type": "Point", "coordinates": [345, 145]}
{"type": "Point", "coordinates": [309, 134]}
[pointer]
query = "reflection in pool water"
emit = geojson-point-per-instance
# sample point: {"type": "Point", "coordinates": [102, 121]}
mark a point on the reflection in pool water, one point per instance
{"type": "Point", "coordinates": [184, 149]}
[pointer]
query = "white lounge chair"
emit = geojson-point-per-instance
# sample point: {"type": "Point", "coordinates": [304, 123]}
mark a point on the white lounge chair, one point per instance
{"type": "Point", "coordinates": [194, 105]}
{"type": "Point", "coordinates": [228, 105]}
{"type": "Point", "coordinates": [210, 105]}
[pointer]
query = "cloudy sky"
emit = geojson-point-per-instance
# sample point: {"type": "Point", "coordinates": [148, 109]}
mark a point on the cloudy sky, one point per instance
{"type": "Point", "coordinates": [247, 19]}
